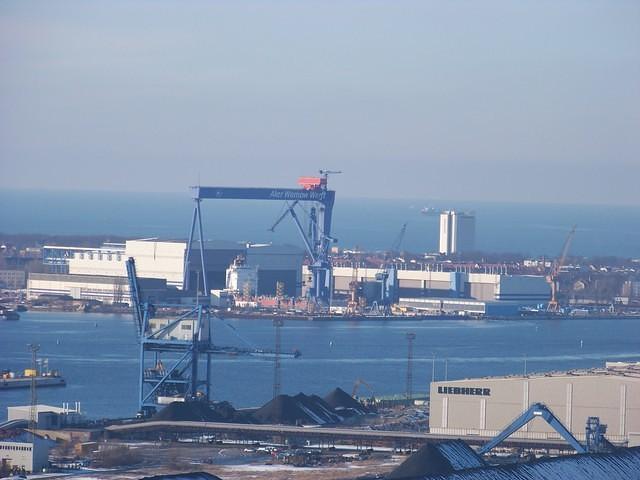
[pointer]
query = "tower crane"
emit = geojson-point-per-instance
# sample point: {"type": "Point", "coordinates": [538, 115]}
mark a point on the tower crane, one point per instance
{"type": "Point", "coordinates": [552, 278]}
{"type": "Point", "coordinates": [397, 243]}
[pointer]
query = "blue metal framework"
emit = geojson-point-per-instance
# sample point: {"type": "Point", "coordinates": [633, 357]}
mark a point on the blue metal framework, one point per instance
{"type": "Point", "coordinates": [388, 279]}
{"type": "Point", "coordinates": [535, 410]}
{"type": "Point", "coordinates": [317, 241]}
{"type": "Point", "coordinates": [185, 339]}
{"type": "Point", "coordinates": [171, 349]}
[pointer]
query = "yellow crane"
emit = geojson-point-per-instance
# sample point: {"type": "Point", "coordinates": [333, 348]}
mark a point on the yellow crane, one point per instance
{"type": "Point", "coordinates": [356, 386]}
{"type": "Point", "coordinates": [552, 278]}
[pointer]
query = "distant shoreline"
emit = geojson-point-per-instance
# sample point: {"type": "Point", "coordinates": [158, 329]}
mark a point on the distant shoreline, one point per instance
{"type": "Point", "coordinates": [353, 318]}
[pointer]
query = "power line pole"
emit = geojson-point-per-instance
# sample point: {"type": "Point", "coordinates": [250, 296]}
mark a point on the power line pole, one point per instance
{"type": "Point", "coordinates": [277, 379]}
{"type": "Point", "coordinates": [410, 338]}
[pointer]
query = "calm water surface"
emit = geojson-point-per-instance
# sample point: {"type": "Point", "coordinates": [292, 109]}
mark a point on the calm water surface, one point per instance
{"type": "Point", "coordinates": [98, 355]}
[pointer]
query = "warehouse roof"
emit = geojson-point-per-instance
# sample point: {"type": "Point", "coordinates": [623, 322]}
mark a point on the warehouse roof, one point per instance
{"type": "Point", "coordinates": [630, 370]}
{"type": "Point", "coordinates": [622, 464]}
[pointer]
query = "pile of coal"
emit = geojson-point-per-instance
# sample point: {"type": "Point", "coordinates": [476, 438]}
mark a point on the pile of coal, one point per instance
{"type": "Point", "coordinates": [437, 459]}
{"type": "Point", "coordinates": [344, 404]}
{"type": "Point", "coordinates": [230, 414]}
{"type": "Point", "coordinates": [300, 409]}
{"type": "Point", "coordinates": [188, 412]}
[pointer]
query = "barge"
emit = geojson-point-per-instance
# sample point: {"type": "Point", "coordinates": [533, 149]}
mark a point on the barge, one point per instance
{"type": "Point", "coordinates": [9, 380]}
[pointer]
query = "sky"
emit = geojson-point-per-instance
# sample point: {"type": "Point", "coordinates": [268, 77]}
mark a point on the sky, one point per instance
{"type": "Point", "coordinates": [489, 101]}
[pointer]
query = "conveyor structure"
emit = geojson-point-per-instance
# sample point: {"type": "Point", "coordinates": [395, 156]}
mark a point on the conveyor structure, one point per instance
{"type": "Point", "coordinates": [596, 441]}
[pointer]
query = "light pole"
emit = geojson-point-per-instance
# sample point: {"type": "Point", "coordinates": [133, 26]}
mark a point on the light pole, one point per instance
{"type": "Point", "coordinates": [433, 367]}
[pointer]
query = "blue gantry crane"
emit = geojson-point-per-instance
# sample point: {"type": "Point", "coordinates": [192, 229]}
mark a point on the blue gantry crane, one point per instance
{"type": "Point", "coordinates": [317, 241]}
{"type": "Point", "coordinates": [173, 346]}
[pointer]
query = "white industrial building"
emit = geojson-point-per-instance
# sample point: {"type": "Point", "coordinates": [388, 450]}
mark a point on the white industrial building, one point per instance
{"type": "Point", "coordinates": [25, 452]}
{"type": "Point", "coordinates": [100, 288]}
{"type": "Point", "coordinates": [457, 232]}
{"type": "Point", "coordinates": [461, 306]}
{"type": "Point", "coordinates": [427, 286]}
{"type": "Point", "coordinates": [154, 259]}
{"type": "Point", "coordinates": [48, 416]}
{"type": "Point", "coordinates": [485, 406]}
{"type": "Point", "coordinates": [100, 273]}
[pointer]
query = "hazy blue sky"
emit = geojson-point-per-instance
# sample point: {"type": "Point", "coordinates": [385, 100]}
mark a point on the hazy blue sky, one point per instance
{"type": "Point", "coordinates": [522, 100]}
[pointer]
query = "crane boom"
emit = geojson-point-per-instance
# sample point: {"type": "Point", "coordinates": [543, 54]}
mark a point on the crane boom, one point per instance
{"type": "Point", "coordinates": [356, 386]}
{"type": "Point", "coordinates": [398, 241]}
{"type": "Point", "coordinates": [134, 293]}
{"type": "Point", "coordinates": [565, 248]}
{"type": "Point", "coordinates": [552, 278]}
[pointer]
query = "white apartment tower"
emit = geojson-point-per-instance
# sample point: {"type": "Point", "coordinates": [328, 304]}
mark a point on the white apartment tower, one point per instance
{"type": "Point", "coordinates": [457, 232]}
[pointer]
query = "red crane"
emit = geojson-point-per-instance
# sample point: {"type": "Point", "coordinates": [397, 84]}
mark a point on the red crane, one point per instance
{"type": "Point", "coordinates": [552, 278]}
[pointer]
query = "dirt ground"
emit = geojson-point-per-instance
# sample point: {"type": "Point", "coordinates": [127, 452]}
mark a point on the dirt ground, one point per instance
{"type": "Point", "coordinates": [234, 463]}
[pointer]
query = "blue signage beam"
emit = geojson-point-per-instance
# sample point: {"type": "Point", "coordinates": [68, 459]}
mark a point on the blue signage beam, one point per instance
{"type": "Point", "coordinates": [238, 193]}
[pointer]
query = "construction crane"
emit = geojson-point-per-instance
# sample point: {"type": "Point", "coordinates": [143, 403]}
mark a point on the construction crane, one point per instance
{"type": "Point", "coordinates": [552, 279]}
{"type": "Point", "coordinates": [388, 276]}
{"type": "Point", "coordinates": [356, 301]}
{"type": "Point", "coordinates": [325, 173]}
{"type": "Point", "coordinates": [397, 243]}
{"type": "Point", "coordinates": [356, 387]}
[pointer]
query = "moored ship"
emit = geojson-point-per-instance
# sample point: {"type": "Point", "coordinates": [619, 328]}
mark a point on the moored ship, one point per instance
{"type": "Point", "coordinates": [45, 378]}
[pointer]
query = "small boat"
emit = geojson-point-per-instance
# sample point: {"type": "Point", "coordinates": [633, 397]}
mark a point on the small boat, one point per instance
{"type": "Point", "coordinates": [429, 211]}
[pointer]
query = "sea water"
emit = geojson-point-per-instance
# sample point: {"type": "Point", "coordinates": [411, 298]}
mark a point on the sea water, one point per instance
{"type": "Point", "coordinates": [98, 355]}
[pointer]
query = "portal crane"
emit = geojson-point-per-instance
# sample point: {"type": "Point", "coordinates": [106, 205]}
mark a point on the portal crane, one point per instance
{"type": "Point", "coordinates": [388, 275]}
{"type": "Point", "coordinates": [171, 349]}
{"type": "Point", "coordinates": [552, 278]}
{"type": "Point", "coordinates": [313, 190]}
